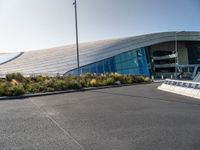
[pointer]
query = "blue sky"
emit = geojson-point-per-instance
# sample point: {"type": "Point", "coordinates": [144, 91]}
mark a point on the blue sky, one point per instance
{"type": "Point", "coordinates": [36, 24]}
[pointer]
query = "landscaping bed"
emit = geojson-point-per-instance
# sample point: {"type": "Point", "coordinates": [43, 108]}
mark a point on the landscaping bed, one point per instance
{"type": "Point", "coordinates": [16, 84]}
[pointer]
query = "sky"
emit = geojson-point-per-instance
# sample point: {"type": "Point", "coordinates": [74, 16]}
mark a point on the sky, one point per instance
{"type": "Point", "coordinates": [37, 24]}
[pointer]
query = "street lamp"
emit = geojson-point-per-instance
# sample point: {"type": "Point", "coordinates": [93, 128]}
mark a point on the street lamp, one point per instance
{"type": "Point", "coordinates": [176, 50]}
{"type": "Point", "coordinates": [77, 44]}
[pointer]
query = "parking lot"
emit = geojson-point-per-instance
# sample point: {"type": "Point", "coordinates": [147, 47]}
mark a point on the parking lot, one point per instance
{"type": "Point", "coordinates": [137, 117]}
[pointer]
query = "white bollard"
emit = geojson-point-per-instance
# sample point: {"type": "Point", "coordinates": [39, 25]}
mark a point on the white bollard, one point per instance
{"type": "Point", "coordinates": [152, 78]}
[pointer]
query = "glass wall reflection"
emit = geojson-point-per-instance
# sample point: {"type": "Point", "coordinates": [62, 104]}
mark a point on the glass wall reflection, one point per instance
{"type": "Point", "coordinates": [131, 62]}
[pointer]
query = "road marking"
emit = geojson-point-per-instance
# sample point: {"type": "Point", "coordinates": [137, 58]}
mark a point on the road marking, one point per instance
{"type": "Point", "coordinates": [57, 124]}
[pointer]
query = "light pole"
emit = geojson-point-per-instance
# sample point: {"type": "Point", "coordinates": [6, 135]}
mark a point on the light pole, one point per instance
{"type": "Point", "coordinates": [176, 50]}
{"type": "Point", "coordinates": [77, 44]}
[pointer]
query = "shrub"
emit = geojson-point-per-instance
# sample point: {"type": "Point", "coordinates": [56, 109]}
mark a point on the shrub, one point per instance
{"type": "Point", "coordinates": [87, 75]}
{"type": "Point", "coordinates": [9, 77]}
{"type": "Point", "coordinates": [139, 78]}
{"type": "Point", "coordinates": [16, 84]}
{"type": "Point", "coordinates": [2, 89]}
{"type": "Point", "coordinates": [119, 78]}
{"type": "Point", "coordinates": [18, 90]}
{"type": "Point", "coordinates": [70, 78]}
{"type": "Point", "coordinates": [59, 85]}
{"type": "Point", "coordinates": [72, 84]}
{"type": "Point", "coordinates": [109, 81]}
{"type": "Point", "coordinates": [147, 79]}
{"type": "Point", "coordinates": [8, 89]}
{"type": "Point", "coordinates": [100, 79]}
{"type": "Point", "coordinates": [17, 76]}
{"type": "Point", "coordinates": [36, 88]}
{"type": "Point", "coordinates": [39, 78]}
{"type": "Point", "coordinates": [93, 82]}
{"type": "Point", "coordinates": [83, 82]}
{"type": "Point", "coordinates": [129, 79]}
{"type": "Point", "coordinates": [50, 89]}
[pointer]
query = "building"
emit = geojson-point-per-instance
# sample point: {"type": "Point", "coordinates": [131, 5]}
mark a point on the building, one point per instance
{"type": "Point", "coordinates": [166, 54]}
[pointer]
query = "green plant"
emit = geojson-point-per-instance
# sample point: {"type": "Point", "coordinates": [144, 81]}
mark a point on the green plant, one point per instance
{"type": "Point", "coordinates": [17, 76]}
{"type": "Point", "coordinates": [87, 75]}
{"type": "Point", "coordinates": [119, 78]}
{"type": "Point", "coordinates": [16, 84]}
{"type": "Point", "coordinates": [59, 85]}
{"type": "Point", "coordinates": [18, 90]}
{"type": "Point", "coordinates": [2, 89]}
{"type": "Point", "coordinates": [36, 88]}
{"type": "Point", "coordinates": [40, 78]}
{"type": "Point", "coordinates": [147, 79]}
{"type": "Point", "coordinates": [139, 78]}
{"type": "Point", "coordinates": [129, 79]}
{"type": "Point", "coordinates": [83, 82]}
{"type": "Point", "coordinates": [8, 89]}
{"type": "Point", "coordinates": [73, 84]}
{"type": "Point", "coordinates": [109, 81]}
{"type": "Point", "coordinates": [93, 82]}
{"type": "Point", "coordinates": [50, 89]}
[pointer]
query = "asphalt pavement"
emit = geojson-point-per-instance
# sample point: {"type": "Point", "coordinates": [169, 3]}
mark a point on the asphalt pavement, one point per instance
{"type": "Point", "coordinates": [137, 117]}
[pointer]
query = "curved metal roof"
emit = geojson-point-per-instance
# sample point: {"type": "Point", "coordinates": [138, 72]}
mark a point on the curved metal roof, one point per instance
{"type": "Point", "coordinates": [63, 59]}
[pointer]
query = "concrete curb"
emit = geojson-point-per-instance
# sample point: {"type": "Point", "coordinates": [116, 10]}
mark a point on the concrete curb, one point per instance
{"type": "Point", "coordinates": [180, 90]}
{"type": "Point", "coordinates": [66, 91]}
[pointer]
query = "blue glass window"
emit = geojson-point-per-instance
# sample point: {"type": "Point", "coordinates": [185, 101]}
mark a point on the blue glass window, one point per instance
{"type": "Point", "coordinates": [131, 62]}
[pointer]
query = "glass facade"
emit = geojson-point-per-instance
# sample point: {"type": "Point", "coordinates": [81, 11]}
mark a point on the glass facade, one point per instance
{"type": "Point", "coordinates": [131, 62]}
